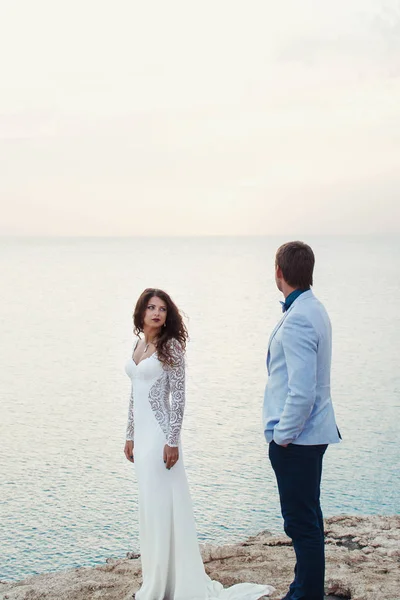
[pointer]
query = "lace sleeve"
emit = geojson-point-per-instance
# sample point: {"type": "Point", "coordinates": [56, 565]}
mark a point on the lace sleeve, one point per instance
{"type": "Point", "coordinates": [176, 377]}
{"type": "Point", "coordinates": [130, 428]}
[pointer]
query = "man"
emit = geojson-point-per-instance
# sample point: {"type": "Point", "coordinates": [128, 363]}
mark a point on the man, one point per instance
{"type": "Point", "coordinates": [299, 420]}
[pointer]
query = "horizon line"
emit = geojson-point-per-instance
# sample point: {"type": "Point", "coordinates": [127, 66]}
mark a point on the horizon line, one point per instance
{"type": "Point", "coordinates": [186, 236]}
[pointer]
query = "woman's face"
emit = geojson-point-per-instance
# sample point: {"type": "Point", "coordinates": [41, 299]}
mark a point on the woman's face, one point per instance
{"type": "Point", "coordinates": [156, 313]}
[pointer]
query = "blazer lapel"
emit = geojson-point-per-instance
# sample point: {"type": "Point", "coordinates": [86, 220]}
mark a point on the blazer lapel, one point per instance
{"type": "Point", "coordinates": [276, 328]}
{"type": "Point", "coordinates": [274, 332]}
{"type": "Point", "coordinates": [303, 296]}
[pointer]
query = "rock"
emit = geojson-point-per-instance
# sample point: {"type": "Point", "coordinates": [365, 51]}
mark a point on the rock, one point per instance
{"type": "Point", "coordinates": [211, 553]}
{"type": "Point", "coordinates": [362, 563]}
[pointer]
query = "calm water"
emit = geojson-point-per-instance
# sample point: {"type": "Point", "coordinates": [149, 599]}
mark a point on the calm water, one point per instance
{"type": "Point", "coordinates": [68, 496]}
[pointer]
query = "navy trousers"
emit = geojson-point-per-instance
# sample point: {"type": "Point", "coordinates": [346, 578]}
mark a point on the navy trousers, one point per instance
{"type": "Point", "coordinates": [298, 471]}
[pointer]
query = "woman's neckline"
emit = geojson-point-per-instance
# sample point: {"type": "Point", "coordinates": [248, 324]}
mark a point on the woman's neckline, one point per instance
{"type": "Point", "coordinates": [143, 359]}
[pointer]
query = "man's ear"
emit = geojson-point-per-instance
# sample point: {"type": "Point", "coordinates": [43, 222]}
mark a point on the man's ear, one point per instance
{"type": "Point", "coordinates": [278, 272]}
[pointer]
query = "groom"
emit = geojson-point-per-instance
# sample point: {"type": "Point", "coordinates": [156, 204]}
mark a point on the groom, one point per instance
{"type": "Point", "coordinates": [298, 416]}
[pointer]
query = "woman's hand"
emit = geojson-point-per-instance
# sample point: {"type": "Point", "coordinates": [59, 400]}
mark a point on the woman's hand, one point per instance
{"type": "Point", "coordinates": [171, 456]}
{"type": "Point", "coordinates": [128, 450]}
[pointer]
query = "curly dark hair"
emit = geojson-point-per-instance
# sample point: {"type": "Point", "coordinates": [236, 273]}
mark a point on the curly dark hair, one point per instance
{"type": "Point", "coordinates": [174, 327]}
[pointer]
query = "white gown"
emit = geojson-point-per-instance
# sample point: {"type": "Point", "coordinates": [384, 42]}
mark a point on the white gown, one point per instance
{"type": "Point", "coordinates": [172, 567]}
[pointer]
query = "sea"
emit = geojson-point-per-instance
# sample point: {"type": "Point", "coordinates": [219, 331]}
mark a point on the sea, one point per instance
{"type": "Point", "coordinates": [68, 496]}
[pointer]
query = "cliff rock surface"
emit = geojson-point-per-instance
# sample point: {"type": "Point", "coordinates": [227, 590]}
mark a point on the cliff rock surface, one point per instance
{"type": "Point", "coordinates": [363, 555]}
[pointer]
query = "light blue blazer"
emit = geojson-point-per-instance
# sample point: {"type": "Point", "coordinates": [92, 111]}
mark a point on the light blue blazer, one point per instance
{"type": "Point", "coordinates": [297, 403]}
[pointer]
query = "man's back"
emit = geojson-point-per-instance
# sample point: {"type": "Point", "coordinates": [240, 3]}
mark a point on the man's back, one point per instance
{"type": "Point", "coordinates": [297, 404]}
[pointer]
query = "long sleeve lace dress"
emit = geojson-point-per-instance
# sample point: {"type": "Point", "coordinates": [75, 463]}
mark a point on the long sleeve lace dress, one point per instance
{"type": "Point", "coordinates": [172, 567]}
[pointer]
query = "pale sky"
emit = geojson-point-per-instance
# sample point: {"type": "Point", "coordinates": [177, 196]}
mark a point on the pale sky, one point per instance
{"type": "Point", "coordinates": [190, 118]}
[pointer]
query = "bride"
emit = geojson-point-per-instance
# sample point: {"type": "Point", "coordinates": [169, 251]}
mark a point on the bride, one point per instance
{"type": "Point", "coordinates": [172, 567]}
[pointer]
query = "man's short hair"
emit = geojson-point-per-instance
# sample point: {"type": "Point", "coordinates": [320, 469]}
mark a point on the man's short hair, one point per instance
{"type": "Point", "coordinates": [296, 261]}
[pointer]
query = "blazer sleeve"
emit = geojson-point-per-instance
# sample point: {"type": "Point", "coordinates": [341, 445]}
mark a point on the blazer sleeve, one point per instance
{"type": "Point", "coordinates": [300, 346]}
{"type": "Point", "coordinates": [176, 377]}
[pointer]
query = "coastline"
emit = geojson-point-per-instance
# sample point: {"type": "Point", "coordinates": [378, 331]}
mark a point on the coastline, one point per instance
{"type": "Point", "coordinates": [362, 563]}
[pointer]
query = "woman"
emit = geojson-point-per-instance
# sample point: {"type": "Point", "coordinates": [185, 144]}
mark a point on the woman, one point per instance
{"type": "Point", "coordinates": [171, 562]}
